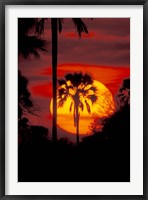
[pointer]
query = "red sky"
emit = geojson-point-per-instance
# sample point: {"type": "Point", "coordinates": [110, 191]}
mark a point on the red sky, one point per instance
{"type": "Point", "coordinates": [104, 52]}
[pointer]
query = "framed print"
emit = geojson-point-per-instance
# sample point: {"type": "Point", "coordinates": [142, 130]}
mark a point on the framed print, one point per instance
{"type": "Point", "coordinates": [73, 88]}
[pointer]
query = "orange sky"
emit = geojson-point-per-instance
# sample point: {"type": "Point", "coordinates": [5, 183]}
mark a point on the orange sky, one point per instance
{"type": "Point", "coordinates": [111, 77]}
{"type": "Point", "coordinates": [104, 52]}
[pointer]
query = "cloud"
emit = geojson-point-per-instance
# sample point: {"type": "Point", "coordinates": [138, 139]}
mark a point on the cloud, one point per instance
{"type": "Point", "coordinates": [104, 52]}
{"type": "Point", "coordinates": [43, 90]}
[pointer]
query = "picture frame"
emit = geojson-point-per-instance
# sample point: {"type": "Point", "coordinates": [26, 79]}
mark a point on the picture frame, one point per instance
{"type": "Point", "coordinates": [3, 147]}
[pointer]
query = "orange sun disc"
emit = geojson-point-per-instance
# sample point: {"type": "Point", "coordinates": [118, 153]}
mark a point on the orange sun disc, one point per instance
{"type": "Point", "coordinates": [104, 107]}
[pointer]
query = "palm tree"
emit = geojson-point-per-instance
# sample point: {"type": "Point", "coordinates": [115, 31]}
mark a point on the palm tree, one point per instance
{"type": "Point", "coordinates": [28, 42]}
{"type": "Point", "coordinates": [56, 25]}
{"type": "Point", "coordinates": [80, 90]}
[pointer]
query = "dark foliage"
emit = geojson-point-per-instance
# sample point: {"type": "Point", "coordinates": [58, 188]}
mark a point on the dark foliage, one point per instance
{"type": "Point", "coordinates": [25, 103]}
{"type": "Point", "coordinates": [28, 42]}
{"type": "Point", "coordinates": [79, 88]}
{"type": "Point", "coordinates": [123, 96]}
{"type": "Point", "coordinates": [78, 22]}
{"type": "Point", "coordinates": [104, 156]}
{"type": "Point", "coordinates": [101, 157]}
{"type": "Point", "coordinates": [25, 106]}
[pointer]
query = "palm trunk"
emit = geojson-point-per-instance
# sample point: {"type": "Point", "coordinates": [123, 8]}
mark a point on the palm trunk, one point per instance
{"type": "Point", "coordinates": [54, 76]}
{"type": "Point", "coordinates": [77, 125]}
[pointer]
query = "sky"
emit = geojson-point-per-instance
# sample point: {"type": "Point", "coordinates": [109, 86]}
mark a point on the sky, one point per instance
{"type": "Point", "coordinates": [104, 53]}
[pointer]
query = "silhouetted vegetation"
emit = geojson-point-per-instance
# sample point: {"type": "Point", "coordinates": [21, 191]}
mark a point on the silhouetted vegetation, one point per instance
{"type": "Point", "coordinates": [103, 156]}
{"type": "Point", "coordinates": [25, 103]}
{"type": "Point", "coordinates": [25, 106]}
{"type": "Point", "coordinates": [80, 90]}
{"type": "Point", "coordinates": [57, 26]}
{"type": "Point", "coordinates": [123, 96]}
{"type": "Point", "coordinates": [28, 42]}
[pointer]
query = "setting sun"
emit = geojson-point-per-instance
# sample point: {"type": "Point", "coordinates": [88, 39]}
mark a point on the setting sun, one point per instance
{"type": "Point", "coordinates": [104, 107]}
{"type": "Point", "coordinates": [73, 100]}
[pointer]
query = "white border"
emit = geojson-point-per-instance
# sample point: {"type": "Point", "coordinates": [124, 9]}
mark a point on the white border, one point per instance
{"type": "Point", "coordinates": [135, 187]}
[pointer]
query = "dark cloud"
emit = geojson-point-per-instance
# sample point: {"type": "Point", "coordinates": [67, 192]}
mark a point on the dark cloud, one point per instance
{"type": "Point", "coordinates": [111, 38]}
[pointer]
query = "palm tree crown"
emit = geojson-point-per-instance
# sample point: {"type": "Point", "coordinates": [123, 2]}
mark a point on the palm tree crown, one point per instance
{"type": "Point", "coordinates": [78, 23]}
{"type": "Point", "coordinates": [28, 42]}
{"type": "Point", "coordinates": [80, 90]}
{"type": "Point", "coordinates": [57, 25]}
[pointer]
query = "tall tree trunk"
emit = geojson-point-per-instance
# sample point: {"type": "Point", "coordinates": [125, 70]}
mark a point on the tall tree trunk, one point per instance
{"type": "Point", "coordinates": [54, 75]}
{"type": "Point", "coordinates": [77, 125]}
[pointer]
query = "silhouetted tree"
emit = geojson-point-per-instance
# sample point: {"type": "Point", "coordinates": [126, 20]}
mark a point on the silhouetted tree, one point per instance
{"type": "Point", "coordinates": [28, 42]}
{"type": "Point", "coordinates": [23, 130]}
{"type": "Point", "coordinates": [123, 96]}
{"type": "Point", "coordinates": [123, 101]}
{"type": "Point", "coordinates": [80, 90]}
{"type": "Point", "coordinates": [111, 144]}
{"type": "Point", "coordinates": [25, 103]}
{"type": "Point", "coordinates": [56, 25]}
{"type": "Point", "coordinates": [25, 106]}
{"type": "Point", "coordinates": [98, 119]}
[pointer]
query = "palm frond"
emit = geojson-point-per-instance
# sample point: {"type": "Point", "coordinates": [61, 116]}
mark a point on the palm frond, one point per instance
{"type": "Point", "coordinates": [74, 116]}
{"type": "Point", "coordinates": [61, 92]}
{"type": "Point", "coordinates": [61, 82]}
{"type": "Point", "coordinates": [81, 27]}
{"type": "Point", "coordinates": [31, 45]}
{"type": "Point", "coordinates": [82, 94]}
{"type": "Point", "coordinates": [85, 92]}
{"type": "Point", "coordinates": [87, 79]}
{"type": "Point", "coordinates": [93, 98]}
{"type": "Point", "coordinates": [77, 79]}
{"type": "Point", "coordinates": [62, 101]}
{"type": "Point", "coordinates": [40, 26]}
{"type": "Point", "coordinates": [71, 105]}
{"type": "Point", "coordinates": [93, 88]}
{"type": "Point", "coordinates": [25, 25]}
{"type": "Point", "coordinates": [87, 106]}
{"type": "Point", "coordinates": [81, 106]}
{"type": "Point", "coordinates": [68, 77]}
{"type": "Point", "coordinates": [60, 22]}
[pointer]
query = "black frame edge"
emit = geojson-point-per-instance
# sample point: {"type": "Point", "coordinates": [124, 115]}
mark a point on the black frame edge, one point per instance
{"type": "Point", "coordinates": [2, 95]}
{"type": "Point", "coordinates": [2, 100]}
{"type": "Point", "coordinates": [74, 2]}
{"type": "Point", "coordinates": [145, 99]}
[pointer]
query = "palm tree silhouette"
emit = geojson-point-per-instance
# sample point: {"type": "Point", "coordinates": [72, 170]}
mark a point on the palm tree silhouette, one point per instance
{"type": "Point", "coordinates": [80, 90]}
{"type": "Point", "coordinates": [56, 25]}
{"type": "Point", "coordinates": [28, 42]}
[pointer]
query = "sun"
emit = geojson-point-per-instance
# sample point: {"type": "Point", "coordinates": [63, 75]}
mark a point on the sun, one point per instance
{"type": "Point", "coordinates": [104, 107]}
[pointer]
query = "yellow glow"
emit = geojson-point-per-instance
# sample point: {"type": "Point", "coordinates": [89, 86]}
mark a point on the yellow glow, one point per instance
{"type": "Point", "coordinates": [104, 107]}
